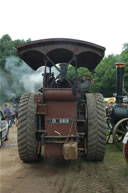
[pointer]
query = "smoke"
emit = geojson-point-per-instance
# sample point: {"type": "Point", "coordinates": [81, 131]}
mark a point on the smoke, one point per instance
{"type": "Point", "coordinates": [32, 82]}
{"type": "Point", "coordinates": [15, 67]}
{"type": "Point", "coordinates": [5, 88]}
{"type": "Point", "coordinates": [18, 78]}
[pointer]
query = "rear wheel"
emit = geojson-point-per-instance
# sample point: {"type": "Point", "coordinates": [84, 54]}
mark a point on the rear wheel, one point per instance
{"type": "Point", "coordinates": [27, 143]}
{"type": "Point", "coordinates": [119, 131]}
{"type": "Point", "coordinates": [96, 137]}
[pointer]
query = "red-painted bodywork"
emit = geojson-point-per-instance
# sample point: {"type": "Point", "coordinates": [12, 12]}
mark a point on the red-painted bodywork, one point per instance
{"type": "Point", "coordinates": [61, 103]}
{"type": "Point", "coordinates": [125, 151]}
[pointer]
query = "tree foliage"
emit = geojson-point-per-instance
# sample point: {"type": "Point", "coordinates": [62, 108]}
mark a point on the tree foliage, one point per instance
{"type": "Point", "coordinates": [8, 48]}
{"type": "Point", "coordinates": [104, 77]}
{"type": "Point", "coordinates": [105, 73]}
{"type": "Point", "coordinates": [124, 55]}
{"type": "Point", "coordinates": [9, 83]}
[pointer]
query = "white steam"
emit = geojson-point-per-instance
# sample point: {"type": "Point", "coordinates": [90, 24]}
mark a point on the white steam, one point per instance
{"type": "Point", "coordinates": [30, 80]}
{"type": "Point", "coordinates": [18, 78]}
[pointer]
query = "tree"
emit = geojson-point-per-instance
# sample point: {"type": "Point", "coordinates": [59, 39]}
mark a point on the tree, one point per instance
{"type": "Point", "coordinates": [105, 73]}
{"type": "Point", "coordinates": [8, 48]}
{"type": "Point", "coordinates": [104, 77]}
{"type": "Point", "coordinates": [10, 85]}
{"type": "Point", "coordinates": [124, 55]}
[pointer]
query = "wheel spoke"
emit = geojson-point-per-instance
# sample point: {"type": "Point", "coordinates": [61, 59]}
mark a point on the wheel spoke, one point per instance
{"type": "Point", "coordinates": [122, 126]}
{"type": "Point", "coordinates": [119, 131]}
{"type": "Point", "coordinates": [119, 138]}
{"type": "Point", "coordinates": [122, 132]}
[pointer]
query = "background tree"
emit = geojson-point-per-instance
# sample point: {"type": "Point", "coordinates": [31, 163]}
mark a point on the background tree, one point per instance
{"type": "Point", "coordinates": [105, 73]}
{"type": "Point", "coordinates": [10, 84]}
{"type": "Point", "coordinates": [124, 55]}
{"type": "Point", "coordinates": [8, 48]}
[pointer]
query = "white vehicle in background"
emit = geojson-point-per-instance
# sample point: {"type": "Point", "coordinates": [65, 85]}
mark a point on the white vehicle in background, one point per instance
{"type": "Point", "coordinates": [3, 128]}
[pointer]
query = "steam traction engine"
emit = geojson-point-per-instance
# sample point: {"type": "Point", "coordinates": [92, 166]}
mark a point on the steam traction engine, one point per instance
{"type": "Point", "coordinates": [63, 119]}
{"type": "Point", "coordinates": [119, 115]}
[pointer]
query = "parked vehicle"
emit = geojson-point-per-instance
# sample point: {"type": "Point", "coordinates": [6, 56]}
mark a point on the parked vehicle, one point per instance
{"type": "Point", "coordinates": [117, 117]}
{"type": "Point", "coordinates": [3, 128]}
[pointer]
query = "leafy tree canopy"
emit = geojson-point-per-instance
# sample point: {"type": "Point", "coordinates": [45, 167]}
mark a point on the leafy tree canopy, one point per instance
{"type": "Point", "coordinates": [8, 48]}
{"type": "Point", "coordinates": [104, 77]}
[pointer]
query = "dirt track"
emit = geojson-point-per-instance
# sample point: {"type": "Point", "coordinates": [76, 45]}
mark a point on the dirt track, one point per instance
{"type": "Point", "coordinates": [60, 176]}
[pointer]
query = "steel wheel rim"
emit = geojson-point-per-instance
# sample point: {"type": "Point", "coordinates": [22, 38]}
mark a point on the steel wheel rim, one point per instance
{"type": "Point", "coordinates": [119, 131]}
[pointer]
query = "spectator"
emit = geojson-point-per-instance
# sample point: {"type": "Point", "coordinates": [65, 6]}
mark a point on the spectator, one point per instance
{"type": "Point", "coordinates": [8, 114]}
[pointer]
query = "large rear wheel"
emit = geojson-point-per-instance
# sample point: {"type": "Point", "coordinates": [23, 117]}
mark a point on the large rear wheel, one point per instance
{"type": "Point", "coordinates": [27, 143]}
{"type": "Point", "coordinates": [119, 131]}
{"type": "Point", "coordinates": [96, 136]}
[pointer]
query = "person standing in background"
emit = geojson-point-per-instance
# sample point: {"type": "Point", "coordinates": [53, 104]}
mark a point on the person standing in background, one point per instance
{"type": "Point", "coordinates": [8, 114]}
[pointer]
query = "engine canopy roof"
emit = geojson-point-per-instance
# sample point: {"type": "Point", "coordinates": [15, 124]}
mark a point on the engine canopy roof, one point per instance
{"type": "Point", "coordinates": [61, 50]}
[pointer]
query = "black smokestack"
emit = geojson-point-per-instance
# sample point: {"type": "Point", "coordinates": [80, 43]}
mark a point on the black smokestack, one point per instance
{"type": "Point", "coordinates": [119, 81]}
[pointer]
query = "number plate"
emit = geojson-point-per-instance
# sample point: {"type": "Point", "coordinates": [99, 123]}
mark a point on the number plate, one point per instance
{"type": "Point", "coordinates": [60, 121]}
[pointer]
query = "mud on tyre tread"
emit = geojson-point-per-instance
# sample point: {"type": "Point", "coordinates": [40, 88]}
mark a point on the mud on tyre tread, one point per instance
{"type": "Point", "coordinates": [27, 144]}
{"type": "Point", "coordinates": [96, 140]}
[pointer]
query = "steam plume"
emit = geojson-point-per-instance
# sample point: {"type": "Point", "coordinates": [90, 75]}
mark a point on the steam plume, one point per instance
{"type": "Point", "coordinates": [18, 78]}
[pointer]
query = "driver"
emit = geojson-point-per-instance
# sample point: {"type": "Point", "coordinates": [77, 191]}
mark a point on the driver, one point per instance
{"type": "Point", "coordinates": [62, 82]}
{"type": "Point", "coordinates": [63, 71]}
